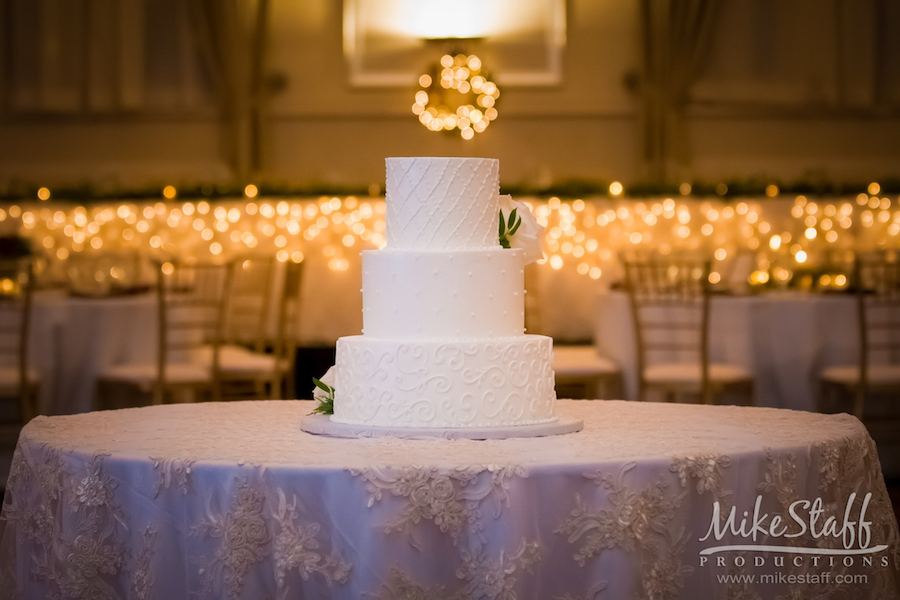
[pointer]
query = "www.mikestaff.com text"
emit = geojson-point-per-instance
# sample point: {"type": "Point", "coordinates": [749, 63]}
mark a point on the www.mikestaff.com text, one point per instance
{"type": "Point", "coordinates": [779, 578]}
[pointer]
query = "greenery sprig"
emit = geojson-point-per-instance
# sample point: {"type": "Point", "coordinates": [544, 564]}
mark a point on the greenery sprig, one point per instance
{"type": "Point", "coordinates": [326, 404]}
{"type": "Point", "coordinates": [508, 229]}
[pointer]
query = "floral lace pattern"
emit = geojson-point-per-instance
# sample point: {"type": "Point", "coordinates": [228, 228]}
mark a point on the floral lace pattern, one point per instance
{"type": "Point", "coordinates": [233, 500]}
{"type": "Point", "coordinates": [296, 547]}
{"type": "Point", "coordinates": [638, 522]}
{"type": "Point", "coordinates": [708, 470]}
{"type": "Point", "coordinates": [142, 578]}
{"type": "Point", "coordinates": [481, 577]}
{"type": "Point", "coordinates": [496, 580]}
{"type": "Point", "coordinates": [78, 561]}
{"type": "Point", "coordinates": [780, 477]}
{"type": "Point", "coordinates": [451, 500]}
{"type": "Point", "coordinates": [244, 540]}
{"type": "Point", "coordinates": [172, 472]}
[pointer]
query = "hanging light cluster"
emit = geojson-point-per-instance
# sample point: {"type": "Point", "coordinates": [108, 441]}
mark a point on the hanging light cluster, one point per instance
{"type": "Point", "coordinates": [457, 94]}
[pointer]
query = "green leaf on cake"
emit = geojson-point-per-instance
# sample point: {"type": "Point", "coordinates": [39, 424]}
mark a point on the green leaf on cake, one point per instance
{"type": "Point", "coordinates": [512, 220]}
{"type": "Point", "coordinates": [508, 227]}
{"type": "Point", "coordinates": [326, 400]}
{"type": "Point", "coordinates": [515, 227]}
{"type": "Point", "coordinates": [325, 407]}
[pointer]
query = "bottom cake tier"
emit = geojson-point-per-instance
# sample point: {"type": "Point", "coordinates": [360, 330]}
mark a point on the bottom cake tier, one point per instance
{"type": "Point", "coordinates": [440, 384]}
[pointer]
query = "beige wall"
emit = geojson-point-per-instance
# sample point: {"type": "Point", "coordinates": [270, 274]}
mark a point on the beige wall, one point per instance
{"type": "Point", "coordinates": [322, 130]}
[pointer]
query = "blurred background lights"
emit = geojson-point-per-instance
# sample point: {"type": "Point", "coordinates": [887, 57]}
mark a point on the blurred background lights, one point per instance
{"type": "Point", "coordinates": [456, 95]}
{"type": "Point", "coordinates": [756, 242]}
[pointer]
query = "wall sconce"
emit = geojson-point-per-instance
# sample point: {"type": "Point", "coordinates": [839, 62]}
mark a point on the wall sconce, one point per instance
{"type": "Point", "coordinates": [522, 40]}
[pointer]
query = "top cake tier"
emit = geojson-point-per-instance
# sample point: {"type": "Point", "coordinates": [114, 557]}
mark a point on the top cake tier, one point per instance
{"type": "Point", "coordinates": [442, 203]}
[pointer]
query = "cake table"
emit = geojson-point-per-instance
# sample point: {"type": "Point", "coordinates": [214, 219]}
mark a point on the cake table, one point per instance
{"type": "Point", "coordinates": [233, 501]}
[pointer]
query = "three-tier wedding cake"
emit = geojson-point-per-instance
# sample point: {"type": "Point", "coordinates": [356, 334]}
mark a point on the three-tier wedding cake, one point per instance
{"type": "Point", "coordinates": [443, 342]}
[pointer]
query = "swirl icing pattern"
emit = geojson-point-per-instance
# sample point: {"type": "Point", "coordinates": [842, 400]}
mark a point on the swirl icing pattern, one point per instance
{"type": "Point", "coordinates": [441, 384]}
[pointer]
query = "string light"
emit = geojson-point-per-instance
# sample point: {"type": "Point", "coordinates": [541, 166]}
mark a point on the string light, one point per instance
{"type": "Point", "coordinates": [584, 236]}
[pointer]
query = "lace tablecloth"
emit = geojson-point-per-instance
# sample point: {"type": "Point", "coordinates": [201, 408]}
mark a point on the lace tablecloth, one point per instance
{"type": "Point", "coordinates": [234, 501]}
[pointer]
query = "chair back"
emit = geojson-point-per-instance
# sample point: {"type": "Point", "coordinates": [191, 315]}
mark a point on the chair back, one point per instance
{"type": "Point", "coordinates": [289, 307]}
{"type": "Point", "coordinates": [249, 302]}
{"type": "Point", "coordinates": [877, 280]}
{"type": "Point", "coordinates": [669, 300]}
{"type": "Point", "coordinates": [16, 283]}
{"type": "Point", "coordinates": [192, 301]}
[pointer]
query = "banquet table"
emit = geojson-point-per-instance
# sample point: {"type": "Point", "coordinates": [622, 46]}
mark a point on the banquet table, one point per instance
{"type": "Point", "coordinates": [72, 339]}
{"type": "Point", "coordinates": [233, 500]}
{"type": "Point", "coordinates": [784, 339]}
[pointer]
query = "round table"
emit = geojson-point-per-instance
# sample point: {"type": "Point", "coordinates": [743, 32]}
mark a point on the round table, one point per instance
{"type": "Point", "coordinates": [73, 339]}
{"type": "Point", "coordinates": [233, 501]}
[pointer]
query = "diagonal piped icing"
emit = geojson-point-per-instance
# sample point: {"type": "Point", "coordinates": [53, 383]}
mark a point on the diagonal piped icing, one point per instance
{"type": "Point", "coordinates": [442, 203]}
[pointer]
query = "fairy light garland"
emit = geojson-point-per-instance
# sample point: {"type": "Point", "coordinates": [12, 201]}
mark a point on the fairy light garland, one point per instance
{"type": "Point", "coordinates": [457, 94]}
{"type": "Point", "coordinates": [583, 236]}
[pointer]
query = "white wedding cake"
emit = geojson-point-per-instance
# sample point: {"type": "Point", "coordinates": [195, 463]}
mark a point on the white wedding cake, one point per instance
{"type": "Point", "coordinates": [443, 343]}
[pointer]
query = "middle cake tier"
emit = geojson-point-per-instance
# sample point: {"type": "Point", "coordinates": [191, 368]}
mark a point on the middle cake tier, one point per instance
{"type": "Point", "coordinates": [409, 294]}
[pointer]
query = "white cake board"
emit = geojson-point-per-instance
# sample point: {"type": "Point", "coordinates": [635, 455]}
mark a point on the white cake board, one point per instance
{"type": "Point", "coordinates": [323, 425]}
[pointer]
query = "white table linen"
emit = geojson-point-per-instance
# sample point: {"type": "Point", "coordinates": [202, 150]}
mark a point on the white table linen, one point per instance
{"type": "Point", "coordinates": [783, 339]}
{"type": "Point", "coordinates": [234, 501]}
{"type": "Point", "coordinates": [73, 339]}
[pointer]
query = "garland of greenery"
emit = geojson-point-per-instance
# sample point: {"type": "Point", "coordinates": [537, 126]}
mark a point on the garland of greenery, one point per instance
{"type": "Point", "coordinates": [568, 189]}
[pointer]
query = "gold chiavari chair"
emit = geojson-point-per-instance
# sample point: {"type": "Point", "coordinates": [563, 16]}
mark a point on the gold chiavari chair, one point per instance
{"type": "Point", "coordinates": [192, 297]}
{"type": "Point", "coordinates": [249, 302]}
{"type": "Point", "coordinates": [670, 309]}
{"type": "Point", "coordinates": [245, 334]}
{"type": "Point", "coordinates": [582, 372]}
{"type": "Point", "coordinates": [18, 382]}
{"type": "Point", "coordinates": [268, 372]}
{"type": "Point", "coordinates": [877, 370]}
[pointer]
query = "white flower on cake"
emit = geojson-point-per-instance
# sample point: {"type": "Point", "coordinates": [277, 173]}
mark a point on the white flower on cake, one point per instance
{"type": "Point", "coordinates": [323, 392]}
{"type": "Point", "coordinates": [522, 230]}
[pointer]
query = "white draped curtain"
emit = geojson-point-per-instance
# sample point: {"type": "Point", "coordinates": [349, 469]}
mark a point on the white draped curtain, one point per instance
{"type": "Point", "coordinates": [830, 59]}
{"type": "Point", "coordinates": [231, 37]}
{"type": "Point", "coordinates": [103, 58]}
{"type": "Point", "coordinates": [93, 57]}
{"type": "Point", "coordinates": [676, 35]}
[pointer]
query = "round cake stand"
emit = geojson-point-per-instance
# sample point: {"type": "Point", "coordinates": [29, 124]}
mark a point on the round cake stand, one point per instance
{"type": "Point", "coordinates": [323, 425]}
